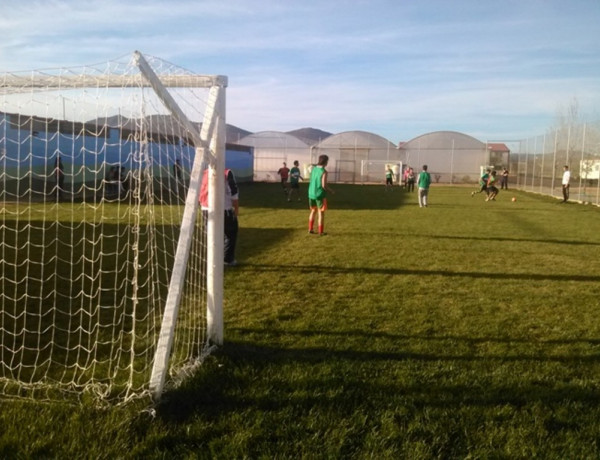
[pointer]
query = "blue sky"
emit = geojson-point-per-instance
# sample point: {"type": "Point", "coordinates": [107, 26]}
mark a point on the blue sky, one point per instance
{"type": "Point", "coordinates": [496, 70]}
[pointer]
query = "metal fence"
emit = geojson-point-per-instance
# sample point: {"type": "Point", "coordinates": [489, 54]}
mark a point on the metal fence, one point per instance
{"type": "Point", "coordinates": [539, 163]}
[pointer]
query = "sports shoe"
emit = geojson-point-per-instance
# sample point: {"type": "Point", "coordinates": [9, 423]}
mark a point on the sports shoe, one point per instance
{"type": "Point", "coordinates": [322, 234]}
{"type": "Point", "coordinates": [311, 231]}
{"type": "Point", "coordinates": [233, 263]}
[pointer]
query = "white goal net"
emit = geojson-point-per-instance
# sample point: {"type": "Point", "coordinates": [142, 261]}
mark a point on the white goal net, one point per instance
{"type": "Point", "coordinates": [108, 282]}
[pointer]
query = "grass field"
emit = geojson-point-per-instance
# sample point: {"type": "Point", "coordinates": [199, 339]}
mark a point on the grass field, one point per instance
{"type": "Point", "coordinates": [463, 330]}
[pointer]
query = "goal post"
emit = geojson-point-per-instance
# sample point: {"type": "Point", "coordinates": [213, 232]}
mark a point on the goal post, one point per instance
{"type": "Point", "coordinates": [111, 282]}
{"type": "Point", "coordinates": [374, 170]}
{"type": "Point", "coordinates": [211, 136]}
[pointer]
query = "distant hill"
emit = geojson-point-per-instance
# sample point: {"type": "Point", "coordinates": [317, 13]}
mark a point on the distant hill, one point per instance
{"type": "Point", "coordinates": [234, 134]}
{"type": "Point", "coordinates": [166, 125]}
{"type": "Point", "coordinates": [311, 136]}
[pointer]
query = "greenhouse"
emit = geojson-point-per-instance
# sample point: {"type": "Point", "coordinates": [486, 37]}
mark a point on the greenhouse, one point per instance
{"type": "Point", "coordinates": [272, 149]}
{"type": "Point", "coordinates": [452, 157]}
{"type": "Point", "coordinates": [358, 156]}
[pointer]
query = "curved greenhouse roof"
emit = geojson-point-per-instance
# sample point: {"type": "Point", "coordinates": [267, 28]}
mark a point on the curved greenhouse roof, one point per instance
{"type": "Point", "coordinates": [354, 154]}
{"type": "Point", "coordinates": [272, 149]}
{"type": "Point", "coordinates": [450, 155]}
{"type": "Point", "coordinates": [443, 139]}
{"type": "Point", "coordinates": [272, 140]}
{"type": "Point", "coordinates": [362, 139]}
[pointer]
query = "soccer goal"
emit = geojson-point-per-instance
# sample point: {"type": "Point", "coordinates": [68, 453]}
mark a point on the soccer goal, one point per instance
{"type": "Point", "coordinates": [374, 170]}
{"type": "Point", "coordinates": [110, 282]}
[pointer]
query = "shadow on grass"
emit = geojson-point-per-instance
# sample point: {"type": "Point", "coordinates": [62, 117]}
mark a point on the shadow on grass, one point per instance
{"type": "Point", "coordinates": [254, 241]}
{"type": "Point", "coordinates": [326, 270]}
{"type": "Point", "coordinates": [346, 196]}
{"type": "Point", "coordinates": [428, 338]}
{"type": "Point", "coordinates": [248, 381]}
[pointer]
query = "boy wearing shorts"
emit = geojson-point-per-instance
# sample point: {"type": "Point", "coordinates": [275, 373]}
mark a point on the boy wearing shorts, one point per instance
{"type": "Point", "coordinates": [317, 195]}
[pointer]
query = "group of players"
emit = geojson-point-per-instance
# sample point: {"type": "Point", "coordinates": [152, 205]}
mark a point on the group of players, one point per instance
{"type": "Point", "coordinates": [291, 188]}
{"type": "Point", "coordinates": [488, 182]}
{"type": "Point", "coordinates": [317, 191]}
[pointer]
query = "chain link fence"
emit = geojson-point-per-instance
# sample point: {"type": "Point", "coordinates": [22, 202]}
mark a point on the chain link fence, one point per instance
{"type": "Point", "coordinates": [539, 163]}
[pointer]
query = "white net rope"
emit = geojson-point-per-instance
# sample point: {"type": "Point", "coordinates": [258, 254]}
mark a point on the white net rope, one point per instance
{"type": "Point", "coordinates": [93, 177]}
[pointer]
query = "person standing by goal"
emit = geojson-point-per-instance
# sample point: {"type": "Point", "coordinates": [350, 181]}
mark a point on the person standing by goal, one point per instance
{"type": "Point", "coordinates": [317, 195]}
{"type": "Point", "coordinates": [231, 208]}
{"type": "Point", "coordinates": [389, 178]}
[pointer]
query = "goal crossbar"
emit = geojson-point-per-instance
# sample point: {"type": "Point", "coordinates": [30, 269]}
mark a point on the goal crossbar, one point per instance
{"type": "Point", "coordinates": [11, 84]}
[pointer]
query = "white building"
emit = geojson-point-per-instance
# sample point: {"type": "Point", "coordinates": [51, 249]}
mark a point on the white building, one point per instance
{"type": "Point", "coordinates": [272, 149]}
{"type": "Point", "coordinates": [357, 156]}
{"type": "Point", "coordinates": [453, 157]}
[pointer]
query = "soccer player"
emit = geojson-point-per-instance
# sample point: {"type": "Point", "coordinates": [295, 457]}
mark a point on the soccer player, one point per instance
{"type": "Point", "coordinates": [492, 190]}
{"type": "Point", "coordinates": [284, 173]}
{"type": "Point", "coordinates": [410, 180]}
{"type": "Point", "coordinates": [294, 184]}
{"type": "Point", "coordinates": [317, 195]}
{"type": "Point", "coordinates": [483, 182]}
{"type": "Point", "coordinates": [389, 179]}
{"type": "Point", "coordinates": [423, 182]}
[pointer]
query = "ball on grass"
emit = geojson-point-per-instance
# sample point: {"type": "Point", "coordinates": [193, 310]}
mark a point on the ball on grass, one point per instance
{"type": "Point", "coordinates": [514, 198]}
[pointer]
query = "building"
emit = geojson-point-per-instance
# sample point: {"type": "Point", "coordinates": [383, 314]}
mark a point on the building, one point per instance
{"type": "Point", "coordinates": [453, 157]}
{"type": "Point", "coordinates": [100, 159]}
{"type": "Point", "coordinates": [272, 149]}
{"type": "Point", "coordinates": [357, 156]}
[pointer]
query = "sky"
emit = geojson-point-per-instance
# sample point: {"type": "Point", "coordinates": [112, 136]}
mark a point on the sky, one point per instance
{"type": "Point", "coordinates": [493, 69]}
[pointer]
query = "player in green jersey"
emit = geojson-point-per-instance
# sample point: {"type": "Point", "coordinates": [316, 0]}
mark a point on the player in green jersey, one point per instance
{"type": "Point", "coordinates": [317, 195]}
{"type": "Point", "coordinates": [295, 177]}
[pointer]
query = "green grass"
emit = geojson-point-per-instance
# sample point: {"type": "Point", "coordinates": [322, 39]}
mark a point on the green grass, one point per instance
{"type": "Point", "coordinates": [463, 330]}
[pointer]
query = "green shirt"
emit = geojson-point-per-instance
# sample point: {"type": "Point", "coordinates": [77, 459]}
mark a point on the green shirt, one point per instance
{"type": "Point", "coordinates": [315, 187]}
{"type": "Point", "coordinates": [424, 179]}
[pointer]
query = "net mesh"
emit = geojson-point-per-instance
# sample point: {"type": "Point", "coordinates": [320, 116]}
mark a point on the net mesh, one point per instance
{"type": "Point", "coordinates": [93, 178]}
